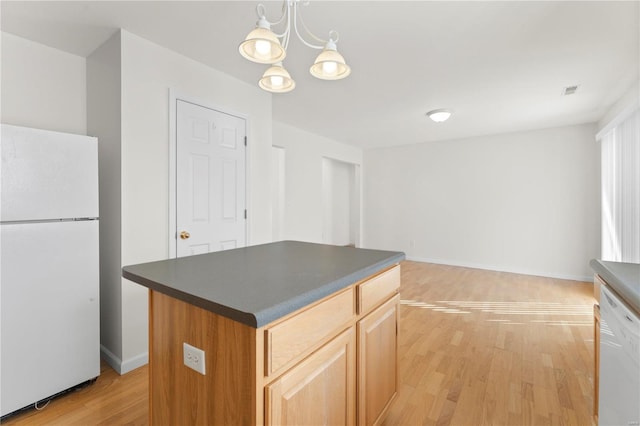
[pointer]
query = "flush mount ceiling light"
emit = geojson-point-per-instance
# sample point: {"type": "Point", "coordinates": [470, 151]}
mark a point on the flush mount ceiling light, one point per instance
{"type": "Point", "coordinates": [263, 46]}
{"type": "Point", "coordinates": [439, 115]}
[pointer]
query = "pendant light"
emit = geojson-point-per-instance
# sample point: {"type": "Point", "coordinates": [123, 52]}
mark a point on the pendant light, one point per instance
{"type": "Point", "coordinates": [263, 46]}
{"type": "Point", "coordinates": [330, 65]}
{"type": "Point", "coordinates": [276, 80]}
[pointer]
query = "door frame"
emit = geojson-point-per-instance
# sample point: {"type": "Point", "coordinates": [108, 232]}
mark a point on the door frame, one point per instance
{"type": "Point", "coordinates": [174, 97]}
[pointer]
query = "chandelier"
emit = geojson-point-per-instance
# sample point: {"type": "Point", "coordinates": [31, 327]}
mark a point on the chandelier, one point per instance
{"type": "Point", "coordinates": [263, 46]}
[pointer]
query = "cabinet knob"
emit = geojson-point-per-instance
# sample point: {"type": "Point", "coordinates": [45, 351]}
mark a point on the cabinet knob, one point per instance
{"type": "Point", "coordinates": [185, 235]}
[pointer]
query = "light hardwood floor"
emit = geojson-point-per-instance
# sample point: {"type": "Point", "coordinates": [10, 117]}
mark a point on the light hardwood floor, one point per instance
{"type": "Point", "coordinates": [476, 347]}
{"type": "Point", "coordinates": [480, 347]}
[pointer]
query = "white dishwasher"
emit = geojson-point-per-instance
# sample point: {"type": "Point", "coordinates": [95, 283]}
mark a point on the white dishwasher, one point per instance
{"type": "Point", "coordinates": [619, 362]}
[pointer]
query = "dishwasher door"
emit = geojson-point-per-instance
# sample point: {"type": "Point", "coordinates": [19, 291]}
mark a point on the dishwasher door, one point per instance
{"type": "Point", "coordinates": [619, 362]}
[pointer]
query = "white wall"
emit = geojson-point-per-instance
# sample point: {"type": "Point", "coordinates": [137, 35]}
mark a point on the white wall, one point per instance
{"type": "Point", "coordinates": [103, 120]}
{"type": "Point", "coordinates": [134, 119]}
{"type": "Point", "coordinates": [304, 153]}
{"type": "Point", "coordinates": [42, 87]}
{"type": "Point", "coordinates": [522, 202]}
{"type": "Point", "coordinates": [148, 71]}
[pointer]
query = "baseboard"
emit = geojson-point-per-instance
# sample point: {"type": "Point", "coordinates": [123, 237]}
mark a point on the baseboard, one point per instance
{"type": "Point", "coordinates": [503, 269]}
{"type": "Point", "coordinates": [135, 362]}
{"type": "Point", "coordinates": [123, 367]}
{"type": "Point", "coordinates": [110, 358]}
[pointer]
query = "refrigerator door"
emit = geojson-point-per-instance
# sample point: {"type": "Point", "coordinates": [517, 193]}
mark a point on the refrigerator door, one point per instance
{"type": "Point", "coordinates": [49, 297]}
{"type": "Point", "coordinates": [47, 175]}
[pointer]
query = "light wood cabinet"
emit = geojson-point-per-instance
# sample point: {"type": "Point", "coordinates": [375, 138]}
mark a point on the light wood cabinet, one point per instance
{"type": "Point", "coordinates": [228, 394]}
{"type": "Point", "coordinates": [597, 284]}
{"type": "Point", "coordinates": [377, 362]}
{"type": "Point", "coordinates": [374, 291]}
{"type": "Point", "coordinates": [301, 333]}
{"type": "Point", "coordinates": [332, 362]}
{"type": "Point", "coordinates": [318, 391]}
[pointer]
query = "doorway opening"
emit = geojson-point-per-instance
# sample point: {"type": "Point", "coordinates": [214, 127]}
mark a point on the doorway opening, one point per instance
{"type": "Point", "coordinates": [341, 202]}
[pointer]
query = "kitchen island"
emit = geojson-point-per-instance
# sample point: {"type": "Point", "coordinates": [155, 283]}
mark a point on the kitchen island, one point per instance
{"type": "Point", "coordinates": [290, 333]}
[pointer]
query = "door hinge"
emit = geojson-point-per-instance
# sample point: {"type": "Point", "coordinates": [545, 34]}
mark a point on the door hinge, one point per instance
{"type": "Point", "coordinates": [245, 213]}
{"type": "Point", "coordinates": [245, 141]}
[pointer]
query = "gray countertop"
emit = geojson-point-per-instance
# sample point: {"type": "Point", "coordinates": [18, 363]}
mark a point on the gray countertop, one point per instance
{"type": "Point", "coordinates": [624, 278]}
{"type": "Point", "coordinates": [259, 284]}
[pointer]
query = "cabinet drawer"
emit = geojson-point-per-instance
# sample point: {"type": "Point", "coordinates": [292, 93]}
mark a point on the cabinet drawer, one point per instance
{"type": "Point", "coordinates": [289, 339]}
{"type": "Point", "coordinates": [373, 292]}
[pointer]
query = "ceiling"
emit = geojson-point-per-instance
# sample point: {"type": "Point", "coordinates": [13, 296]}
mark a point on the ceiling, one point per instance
{"type": "Point", "coordinates": [499, 66]}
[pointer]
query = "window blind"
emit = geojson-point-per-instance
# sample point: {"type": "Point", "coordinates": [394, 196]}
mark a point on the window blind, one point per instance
{"type": "Point", "coordinates": [620, 174]}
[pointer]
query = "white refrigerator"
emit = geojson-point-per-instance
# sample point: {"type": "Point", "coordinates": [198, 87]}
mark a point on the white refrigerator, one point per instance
{"type": "Point", "coordinates": [49, 265]}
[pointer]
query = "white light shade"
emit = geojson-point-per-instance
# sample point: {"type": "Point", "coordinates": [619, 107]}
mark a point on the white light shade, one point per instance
{"type": "Point", "coordinates": [262, 46]}
{"type": "Point", "coordinates": [439, 115]}
{"type": "Point", "coordinates": [330, 65]}
{"type": "Point", "coordinates": [276, 80]}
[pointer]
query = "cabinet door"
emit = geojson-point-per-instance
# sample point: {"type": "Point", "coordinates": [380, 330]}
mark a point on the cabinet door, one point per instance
{"type": "Point", "coordinates": [377, 366]}
{"type": "Point", "coordinates": [318, 391]}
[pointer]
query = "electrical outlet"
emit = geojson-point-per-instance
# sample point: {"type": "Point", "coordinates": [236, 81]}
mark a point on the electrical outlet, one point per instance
{"type": "Point", "coordinates": [193, 358]}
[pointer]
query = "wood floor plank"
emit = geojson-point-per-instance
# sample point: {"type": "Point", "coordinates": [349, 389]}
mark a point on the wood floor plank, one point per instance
{"type": "Point", "coordinates": [475, 347]}
{"type": "Point", "coordinates": [111, 400]}
{"type": "Point", "coordinates": [526, 342]}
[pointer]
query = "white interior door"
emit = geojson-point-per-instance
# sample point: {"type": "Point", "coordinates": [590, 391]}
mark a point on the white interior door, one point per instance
{"type": "Point", "coordinates": [210, 180]}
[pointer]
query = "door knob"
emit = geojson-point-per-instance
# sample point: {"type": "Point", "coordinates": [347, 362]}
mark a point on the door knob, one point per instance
{"type": "Point", "coordinates": [184, 235]}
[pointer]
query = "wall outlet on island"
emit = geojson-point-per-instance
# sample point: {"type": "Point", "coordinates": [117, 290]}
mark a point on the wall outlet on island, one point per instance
{"type": "Point", "coordinates": [193, 358]}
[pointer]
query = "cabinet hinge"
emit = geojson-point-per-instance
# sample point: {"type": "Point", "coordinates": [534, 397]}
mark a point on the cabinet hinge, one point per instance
{"type": "Point", "coordinates": [245, 141]}
{"type": "Point", "coordinates": [245, 213]}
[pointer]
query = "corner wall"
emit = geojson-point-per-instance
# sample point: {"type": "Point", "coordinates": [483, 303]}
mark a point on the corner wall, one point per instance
{"type": "Point", "coordinates": [521, 202]}
{"type": "Point", "coordinates": [103, 120]}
